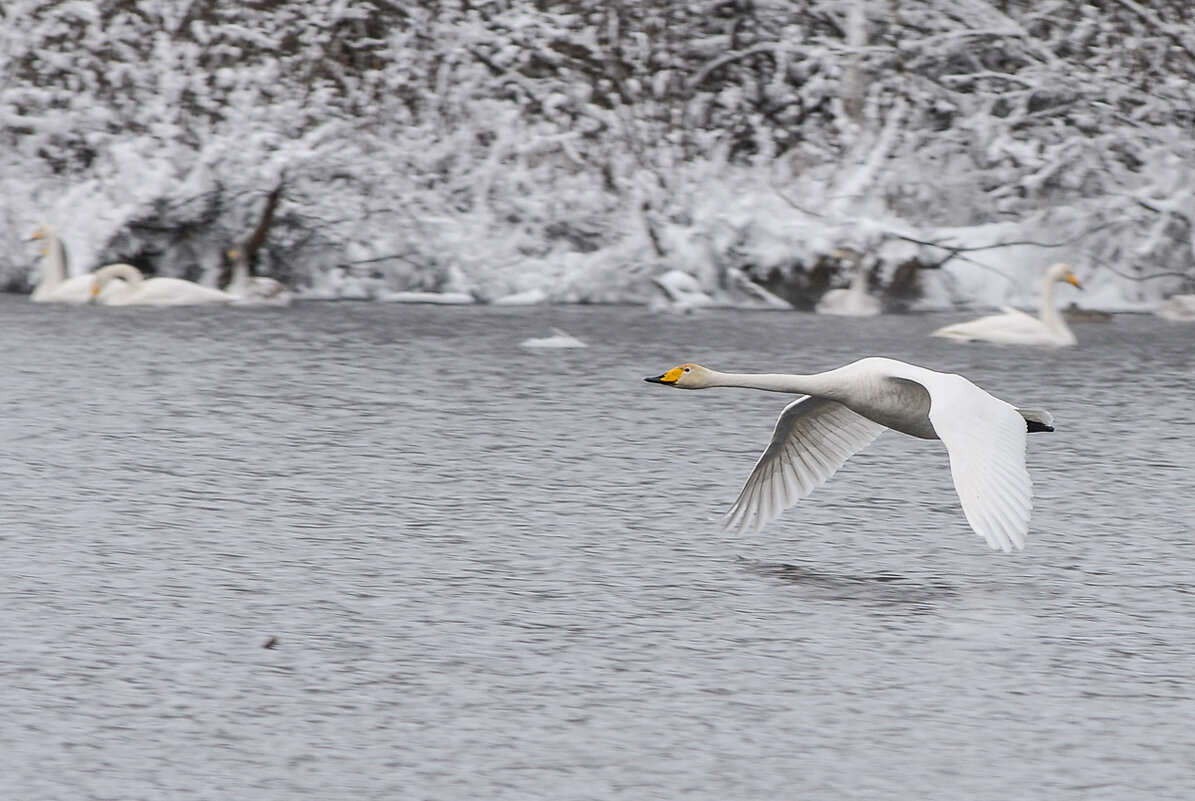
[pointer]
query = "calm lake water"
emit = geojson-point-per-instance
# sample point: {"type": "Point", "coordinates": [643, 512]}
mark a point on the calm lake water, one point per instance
{"type": "Point", "coordinates": [489, 572]}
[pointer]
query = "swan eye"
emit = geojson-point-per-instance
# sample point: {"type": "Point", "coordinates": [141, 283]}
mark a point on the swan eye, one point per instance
{"type": "Point", "coordinates": [687, 369]}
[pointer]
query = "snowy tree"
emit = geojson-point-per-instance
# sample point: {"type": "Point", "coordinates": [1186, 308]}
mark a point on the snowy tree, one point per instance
{"type": "Point", "coordinates": [585, 148]}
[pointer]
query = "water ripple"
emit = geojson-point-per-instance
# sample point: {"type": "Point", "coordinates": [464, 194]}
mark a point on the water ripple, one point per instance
{"type": "Point", "coordinates": [384, 552]}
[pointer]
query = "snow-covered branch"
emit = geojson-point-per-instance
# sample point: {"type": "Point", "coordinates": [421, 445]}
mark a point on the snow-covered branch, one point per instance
{"type": "Point", "coordinates": [594, 140]}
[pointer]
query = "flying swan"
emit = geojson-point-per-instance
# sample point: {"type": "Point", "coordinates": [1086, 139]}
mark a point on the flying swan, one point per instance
{"type": "Point", "coordinates": [1015, 327]}
{"type": "Point", "coordinates": [844, 409]}
{"type": "Point", "coordinates": [139, 291]}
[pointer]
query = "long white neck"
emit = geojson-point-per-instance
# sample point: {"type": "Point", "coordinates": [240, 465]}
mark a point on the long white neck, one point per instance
{"type": "Point", "coordinates": [1048, 313]}
{"type": "Point", "coordinates": [774, 382]}
{"type": "Point", "coordinates": [126, 271]}
{"type": "Point", "coordinates": [859, 279]}
{"type": "Point", "coordinates": [239, 283]}
{"type": "Point", "coordinates": [53, 271]}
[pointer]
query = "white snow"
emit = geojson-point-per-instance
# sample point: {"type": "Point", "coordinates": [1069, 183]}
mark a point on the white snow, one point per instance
{"type": "Point", "coordinates": [557, 341]}
{"type": "Point", "coordinates": [466, 157]}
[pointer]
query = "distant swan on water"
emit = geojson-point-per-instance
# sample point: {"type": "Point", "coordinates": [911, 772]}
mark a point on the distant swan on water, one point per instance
{"type": "Point", "coordinates": [54, 286]}
{"type": "Point", "coordinates": [140, 291]}
{"type": "Point", "coordinates": [1178, 308]}
{"type": "Point", "coordinates": [1015, 327]}
{"type": "Point", "coordinates": [846, 408]}
{"type": "Point", "coordinates": [854, 300]}
{"type": "Point", "coordinates": [254, 290]}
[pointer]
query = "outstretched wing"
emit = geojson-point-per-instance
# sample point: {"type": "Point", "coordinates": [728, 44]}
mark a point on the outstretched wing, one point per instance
{"type": "Point", "coordinates": [813, 438]}
{"type": "Point", "coordinates": [985, 438]}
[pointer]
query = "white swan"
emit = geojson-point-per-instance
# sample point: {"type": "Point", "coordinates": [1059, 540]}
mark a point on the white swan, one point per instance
{"type": "Point", "coordinates": [254, 290]}
{"type": "Point", "coordinates": [54, 286]}
{"type": "Point", "coordinates": [1178, 308]}
{"type": "Point", "coordinates": [845, 409]}
{"type": "Point", "coordinates": [854, 300]}
{"type": "Point", "coordinates": [140, 291]}
{"type": "Point", "coordinates": [1015, 327]}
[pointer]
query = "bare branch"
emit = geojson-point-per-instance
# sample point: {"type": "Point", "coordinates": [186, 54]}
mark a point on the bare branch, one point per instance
{"type": "Point", "coordinates": [703, 73]}
{"type": "Point", "coordinates": [258, 238]}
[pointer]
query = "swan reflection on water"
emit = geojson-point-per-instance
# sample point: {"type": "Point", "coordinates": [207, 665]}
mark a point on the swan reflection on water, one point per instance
{"type": "Point", "coordinates": [832, 585]}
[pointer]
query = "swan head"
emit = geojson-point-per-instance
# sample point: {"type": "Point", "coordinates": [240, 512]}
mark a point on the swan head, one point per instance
{"type": "Point", "coordinates": [1062, 272]}
{"type": "Point", "coordinates": [43, 234]}
{"type": "Point", "coordinates": [684, 376]}
{"type": "Point", "coordinates": [101, 277]}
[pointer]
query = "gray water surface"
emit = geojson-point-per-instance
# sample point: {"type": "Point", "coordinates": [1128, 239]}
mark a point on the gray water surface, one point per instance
{"type": "Point", "coordinates": [489, 572]}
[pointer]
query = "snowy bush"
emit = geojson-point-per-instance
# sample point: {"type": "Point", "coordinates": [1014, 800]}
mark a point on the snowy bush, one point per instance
{"type": "Point", "coordinates": [585, 148]}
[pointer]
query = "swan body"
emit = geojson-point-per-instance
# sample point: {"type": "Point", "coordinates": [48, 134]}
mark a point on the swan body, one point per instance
{"type": "Point", "coordinates": [843, 410]}
{"type": "Point", "coordinates": [140, 291]}
{"type": "Point", "coordinates": [254, 290]}
{"type": "Point", "coordinates": [1015, 327]}
{"type": "Point", "coordinates": [54, 286]}
{"type": "Point", "coordinates": [1178, 308]}
{"type": "Point", "coordinates": [260, 290]}
{"type": "Point", "coordinates": [852, 301]}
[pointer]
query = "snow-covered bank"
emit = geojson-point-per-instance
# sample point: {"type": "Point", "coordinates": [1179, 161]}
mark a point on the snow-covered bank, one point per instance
{"type": "Point", "coordinates": [741, 222]}
{"type": "Point", "coordinates": [512, 154]}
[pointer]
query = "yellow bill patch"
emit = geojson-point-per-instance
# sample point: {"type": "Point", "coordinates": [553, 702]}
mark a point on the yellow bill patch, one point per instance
{"type": "Point", "coordinates": [672, 376]}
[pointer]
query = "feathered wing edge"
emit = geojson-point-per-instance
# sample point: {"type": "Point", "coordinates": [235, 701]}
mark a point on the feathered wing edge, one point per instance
{"type": "Point", "coordinates": [985, 438]}
{"type": "Point", "coordinates": [812, 439]}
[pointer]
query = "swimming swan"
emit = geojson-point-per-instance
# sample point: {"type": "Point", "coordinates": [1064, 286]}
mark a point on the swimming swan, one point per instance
{"type": "Point", "coordinates": [1015, 327]}
{"type": "Point", "coordinates": [845, 409]}
{"type": "Point", "coordinates": [254, 290]}
{"type": "Point", "coordinates": [54, 286]}
{"type": "Point", "coordinates": [1178, 308]}
{"type": "Point", "coordinates": [140, 291]}
{"type": "Point", "coordinates": [854, 300]}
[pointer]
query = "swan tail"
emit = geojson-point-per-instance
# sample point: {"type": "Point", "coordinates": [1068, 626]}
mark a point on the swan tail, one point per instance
{"type": "Point", "coordinates": [1037, 420]}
